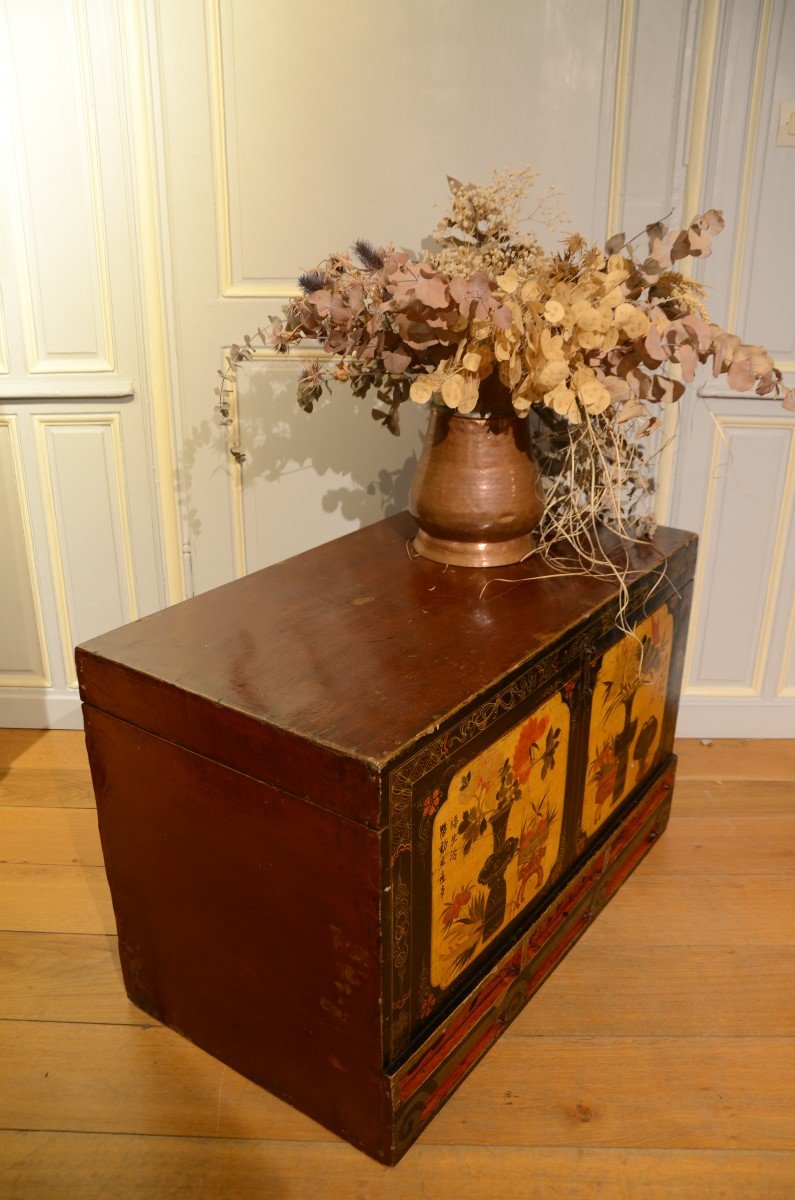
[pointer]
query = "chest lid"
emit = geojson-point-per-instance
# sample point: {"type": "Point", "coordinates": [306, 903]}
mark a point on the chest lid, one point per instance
{"type": "Point", "coordinates": [315, 673]}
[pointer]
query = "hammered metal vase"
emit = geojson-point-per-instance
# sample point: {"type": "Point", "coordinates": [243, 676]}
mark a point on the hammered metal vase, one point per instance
{"type": "Point", "coordinates": [476, 495]}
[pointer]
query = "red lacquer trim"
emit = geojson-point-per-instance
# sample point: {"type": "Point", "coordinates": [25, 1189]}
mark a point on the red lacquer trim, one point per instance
{"type": "Point", "coordinates": [455, 1032]}
{"type": "Point", "coordinates": [626, 833]}
{"type": "Point", "coordinates": [547, 962]}
{"type": "Point", "coordinates": [568, 900]}
{"type": "Point", "coordinates": [456, 1075]}
{"type": "Point", "coordinates": [614, 881]}
{"type": "Point", "coordinates": [532, 942]}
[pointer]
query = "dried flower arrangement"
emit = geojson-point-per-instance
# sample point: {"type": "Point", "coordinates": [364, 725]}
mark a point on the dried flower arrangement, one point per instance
{"type": "Point", "coordinates": [589, 343]}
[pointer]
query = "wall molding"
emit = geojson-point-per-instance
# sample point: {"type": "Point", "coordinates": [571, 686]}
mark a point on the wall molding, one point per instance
{"type": "Point", "coordinates": [702, 717]}
{"type": "Point", "coordinates": [626, 50]}
{"type": "Point", "coordinates": [45, 678]}
{"type": "Point", "coordinates": [236, 469]}
{"type": "Point", "coordinates": [783, 688]}
{"type": "Point", "coordinates": [40, 360]}
{"type": "Point", "coordinates": [723, 421]}
{"type": "Point", "coordinates": [46, 710]}
{"type": "Point", "coordinates": [41, 423]}
{"type": "Point", "coordinates": [144, 118]}
{"type": "Point", "coordinates": [701, 93]}
{"type": "Point", "coordinates": [270, 289]}
{"type": "Point", "coordinates": [12, 390]}
{"type": "Point", "coordinates": [3, 340]}
{"type": "Point", "coordinates": [749, 159]}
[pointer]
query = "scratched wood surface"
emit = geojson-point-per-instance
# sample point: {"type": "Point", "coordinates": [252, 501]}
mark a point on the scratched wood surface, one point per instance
{"type": "Point", "coordinates": [657, 1061]}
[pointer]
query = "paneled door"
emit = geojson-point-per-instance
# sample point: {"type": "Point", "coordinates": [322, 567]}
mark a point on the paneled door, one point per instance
{"type": "Point", "coordinates": [79, 517]}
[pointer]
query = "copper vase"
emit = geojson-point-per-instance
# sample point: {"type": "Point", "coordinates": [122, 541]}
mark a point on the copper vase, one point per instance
{"type": "Point", "coordinates": [476, 494]}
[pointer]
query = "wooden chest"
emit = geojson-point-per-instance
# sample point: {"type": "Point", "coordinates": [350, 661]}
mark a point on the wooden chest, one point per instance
{"type": "Point", "coordinates": [355, 808]}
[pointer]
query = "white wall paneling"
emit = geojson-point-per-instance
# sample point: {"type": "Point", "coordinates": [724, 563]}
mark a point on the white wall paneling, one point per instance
{"type": "Point", "coordinates": [262, 183]}
{"type": "Point", "coordinates": [764, 304]}
{"type": "Point", "coordinates": [653, 90]}
{"type": "Point", "coordinates": [318, 461]}
{"type": "Point", "coordinates": [77, 387]}
{"type": "Point", "coordinates": [744, 532]}
{"type": "Point", "coordinates": [61, 260]}
{"type": "Point", "coordinates": [735, 470]}
{"type": "Point", "coordinates": [23, 648]}
{"type": "Point", "coordinates": [167, 179]}
{"type": "Point", "coordinates": [85, 505]}
{"type": "Point", "coordinates": [246, 206]}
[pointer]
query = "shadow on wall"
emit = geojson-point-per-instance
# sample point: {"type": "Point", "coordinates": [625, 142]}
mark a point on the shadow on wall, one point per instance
{"type": "Point", "coordinates": [307, 477]}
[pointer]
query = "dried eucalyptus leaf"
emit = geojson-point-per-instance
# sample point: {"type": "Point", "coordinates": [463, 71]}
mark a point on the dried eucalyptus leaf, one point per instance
{"type": "Point", "coordinates": [421, 390]}
{"type": "Point", "coordinates": [453, 391]}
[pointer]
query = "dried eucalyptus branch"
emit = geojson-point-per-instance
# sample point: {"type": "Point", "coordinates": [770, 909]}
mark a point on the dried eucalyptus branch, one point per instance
{"type": "Point", "coordinates": [582, 338]}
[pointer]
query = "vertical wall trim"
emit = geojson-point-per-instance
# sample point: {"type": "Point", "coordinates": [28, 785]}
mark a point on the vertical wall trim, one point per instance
{"type": "Point", "coordinates": [236, 484]}
{"type": "Point", "coordinates": [696, 154]}
{"type": "Point", "coordinates": [749, 157]}
{"type": "Point", "coordinates": [141, 91]}
{"type": "Point", "coordinates": [220, 150]}
{"type": "Point", "coordinates": [777, 563]}
{"type": "Point", "coordinates": [784, 688]}
{"type": "Point", "coordinates": [699, 108]}
{"type": "Point", "coordinates": [626, 37]}
{"type": "Point", "coordinates": [84, 86]}
{"type": "Point", "coordinates": [3, 341]}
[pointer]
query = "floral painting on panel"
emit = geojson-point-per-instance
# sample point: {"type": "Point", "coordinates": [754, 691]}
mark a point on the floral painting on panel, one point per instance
{"type": "Point", "coordinates": [496, 837]}
{"type": "Point", "coordinates": [626, 716]}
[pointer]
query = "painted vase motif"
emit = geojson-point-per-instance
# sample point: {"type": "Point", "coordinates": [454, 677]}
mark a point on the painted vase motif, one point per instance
{"type": "Point", "coordinates": [626, 716]}
{"type": "Point", "coordinates": [496, 837]}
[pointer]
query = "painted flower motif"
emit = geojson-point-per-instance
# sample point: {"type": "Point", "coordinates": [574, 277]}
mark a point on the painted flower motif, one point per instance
{"type": "Point", "coordinates": [428, 1005]}
{"type": "Point", "coordinates": [568, 689]}
{"type": "Point", "coordinates": [456, 905]}
{"type": "Point", "coordinates": [431, 802]}
{"type": "Point", "coordinates": [532, 732]}
{"type": "Point", "coordinates": [603, 772]}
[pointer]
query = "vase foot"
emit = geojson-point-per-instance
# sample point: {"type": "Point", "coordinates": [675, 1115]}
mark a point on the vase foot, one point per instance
{"type": "Point", "coordinates": [474, 554]}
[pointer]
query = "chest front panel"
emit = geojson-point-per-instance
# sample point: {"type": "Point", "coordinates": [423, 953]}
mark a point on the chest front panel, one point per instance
{"type": "Point", "coordinates": [492, 815]}
{"type": "Point", "coordinates": [497, 836]}
{"type": "Point", "coordinates": [627, 713]}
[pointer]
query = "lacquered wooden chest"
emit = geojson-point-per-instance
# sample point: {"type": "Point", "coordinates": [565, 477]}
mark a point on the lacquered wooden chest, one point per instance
{"type": "Point", "coordinates": [356, 807]}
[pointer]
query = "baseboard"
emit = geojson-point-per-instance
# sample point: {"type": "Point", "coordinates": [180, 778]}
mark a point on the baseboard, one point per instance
{"type": "Point", "coordinates": [40, 708]}
{"type": "Point", "coordinates": [735, 717]}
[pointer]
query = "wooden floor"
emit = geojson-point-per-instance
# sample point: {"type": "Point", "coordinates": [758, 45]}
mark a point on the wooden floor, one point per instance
{"type": "Point", "coordinates": [656, 1063]}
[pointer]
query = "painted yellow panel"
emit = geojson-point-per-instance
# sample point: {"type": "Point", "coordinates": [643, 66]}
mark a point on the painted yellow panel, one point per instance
{"type": "Point", "coordinates": [496, 837]}
{"type": "Point", "coordinates": [626, 715]}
